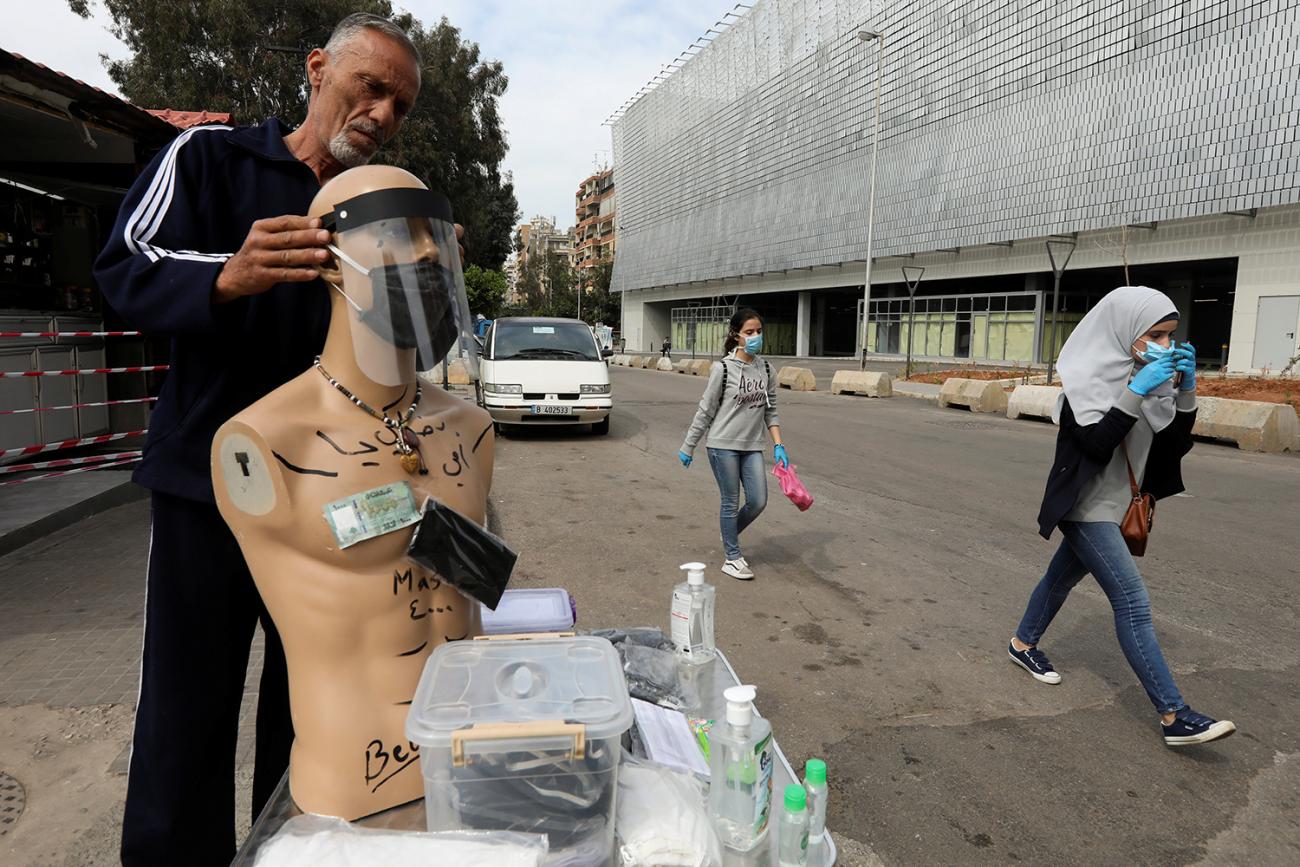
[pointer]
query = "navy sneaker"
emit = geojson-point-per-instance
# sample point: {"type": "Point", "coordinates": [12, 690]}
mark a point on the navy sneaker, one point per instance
{"type": "Point", "coordinates": [1035, 662]}
{"type": "Point", "coordinates": [1190, 727]}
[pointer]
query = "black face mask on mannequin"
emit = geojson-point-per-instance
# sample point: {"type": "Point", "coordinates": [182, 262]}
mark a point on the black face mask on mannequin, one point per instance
{"type": "Point", "coordinates": [390, 315]}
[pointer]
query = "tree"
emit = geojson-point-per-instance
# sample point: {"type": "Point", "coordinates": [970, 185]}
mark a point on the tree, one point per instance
{"type": "Point", "coordinates": [599, 305]}
{"type": "Point", "coordinates": [532, 282]}
{"type": "Point", "coordinates": [486, 291]}
{"type": "Point", "coordinates": [561, 282]}
{"type": "Point", "coordinates": [247, 57]}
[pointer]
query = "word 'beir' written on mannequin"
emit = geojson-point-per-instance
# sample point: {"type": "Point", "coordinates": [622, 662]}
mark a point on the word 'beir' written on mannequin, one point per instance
{"type": "Point", "coordinates": [357, 621]}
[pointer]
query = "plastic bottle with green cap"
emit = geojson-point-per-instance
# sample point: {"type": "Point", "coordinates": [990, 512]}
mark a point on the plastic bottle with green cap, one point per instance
{"type": "Point", "coordinates": [814, 781]}
{"type": "Point", "coordinates": [792, 845]}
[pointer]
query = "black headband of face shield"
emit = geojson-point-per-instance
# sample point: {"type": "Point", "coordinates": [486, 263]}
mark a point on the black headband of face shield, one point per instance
{"type": "Point", "coordinates": [390, 204]}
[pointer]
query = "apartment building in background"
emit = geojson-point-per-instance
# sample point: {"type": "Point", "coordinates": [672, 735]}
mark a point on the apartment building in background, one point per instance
{"type": "Point", "coordinates": [536, 239]}
{"type": "Point", "coordinates": [593, 231]}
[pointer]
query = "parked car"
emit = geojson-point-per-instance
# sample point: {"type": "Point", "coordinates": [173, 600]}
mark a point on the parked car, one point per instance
{"type": "Point", "coordinates": [542, 370]}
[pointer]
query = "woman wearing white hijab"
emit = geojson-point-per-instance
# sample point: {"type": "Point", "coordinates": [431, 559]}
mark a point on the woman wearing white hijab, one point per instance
{"type": "Point", "coordinates": [1119, 407]}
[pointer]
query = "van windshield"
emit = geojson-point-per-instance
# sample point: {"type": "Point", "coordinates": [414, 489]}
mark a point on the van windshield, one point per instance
{"type": "Point", "coordinates": [560, 341]}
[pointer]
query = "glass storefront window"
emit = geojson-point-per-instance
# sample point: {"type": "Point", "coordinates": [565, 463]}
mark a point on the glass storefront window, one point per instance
{"type": "Point", "coordinates": [1020, 337]}
{"type": "Point", "coordinates": [997, 339]}
{"type": "Point", "coordinates": [1003, 329]}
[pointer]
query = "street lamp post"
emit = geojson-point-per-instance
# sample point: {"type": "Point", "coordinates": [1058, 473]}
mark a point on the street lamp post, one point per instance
{"type": "Point", "coordinates": [868, 36]}
{"type": "Point", "coordinates": [1063, 249]}
{"type": "Point", "coordinates": [912, 277]}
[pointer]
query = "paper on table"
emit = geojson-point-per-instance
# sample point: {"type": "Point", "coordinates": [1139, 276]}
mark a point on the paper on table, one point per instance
{"type": "Point", "coordinates": [667, 737]}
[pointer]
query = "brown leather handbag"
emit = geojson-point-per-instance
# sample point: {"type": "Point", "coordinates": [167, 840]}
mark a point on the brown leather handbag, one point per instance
{"type": "Point", "coordinates": [1136, 526]}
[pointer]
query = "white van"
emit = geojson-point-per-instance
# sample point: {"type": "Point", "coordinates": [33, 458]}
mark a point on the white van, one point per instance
{"type": "Point", "coordinates": [545, 371]}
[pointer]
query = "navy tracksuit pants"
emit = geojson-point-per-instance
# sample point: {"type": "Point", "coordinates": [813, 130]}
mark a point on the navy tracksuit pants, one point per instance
{"type": "Point", "coordinates": [200, 614]}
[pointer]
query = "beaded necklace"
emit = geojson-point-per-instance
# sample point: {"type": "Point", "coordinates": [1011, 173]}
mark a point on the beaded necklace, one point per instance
{"type": "Point", "coordinates": [407, 442]}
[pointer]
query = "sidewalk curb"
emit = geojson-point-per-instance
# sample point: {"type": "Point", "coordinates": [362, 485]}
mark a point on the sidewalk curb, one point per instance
{"type": "Point", "coordinates": [916, 395]}
{"type": "Point", "coordinates": [127, 492]}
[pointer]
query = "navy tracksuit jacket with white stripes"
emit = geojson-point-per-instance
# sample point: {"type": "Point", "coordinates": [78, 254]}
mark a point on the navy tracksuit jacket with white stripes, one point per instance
{"type": "Point", "coordinates": [187, 214]}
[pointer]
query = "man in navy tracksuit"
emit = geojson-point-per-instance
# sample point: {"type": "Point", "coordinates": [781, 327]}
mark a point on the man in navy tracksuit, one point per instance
{"type": "Point", "coordinates": [206, 251]}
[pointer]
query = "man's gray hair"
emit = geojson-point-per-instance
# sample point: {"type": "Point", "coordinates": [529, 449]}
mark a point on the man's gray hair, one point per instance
{"type": "Point", "coordinates": [349, 28]}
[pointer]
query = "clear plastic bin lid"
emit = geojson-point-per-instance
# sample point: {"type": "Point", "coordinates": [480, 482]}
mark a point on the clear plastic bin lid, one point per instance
{"type": "Point", "coordinates": [474, 683]}
{"type": "Point", "coordinates": [533, 609]}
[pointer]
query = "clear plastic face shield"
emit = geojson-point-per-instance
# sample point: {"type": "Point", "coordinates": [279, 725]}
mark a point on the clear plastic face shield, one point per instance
{"type": "Point", "coordinates": [402, 282]}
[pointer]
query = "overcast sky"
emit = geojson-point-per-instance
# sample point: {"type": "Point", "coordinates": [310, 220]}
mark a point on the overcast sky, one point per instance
{"type": "Point", "coordinates": [570, 63]}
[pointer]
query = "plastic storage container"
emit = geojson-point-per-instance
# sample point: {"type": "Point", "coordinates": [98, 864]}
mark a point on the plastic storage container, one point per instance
{"type": "Point", "coordinates": [547, 609]}
{"type": "Point", "coordinates": [524, 736]}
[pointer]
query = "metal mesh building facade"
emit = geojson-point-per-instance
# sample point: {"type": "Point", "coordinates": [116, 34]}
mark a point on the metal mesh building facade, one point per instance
{"type": "Point", "coordinates": [999, 122]}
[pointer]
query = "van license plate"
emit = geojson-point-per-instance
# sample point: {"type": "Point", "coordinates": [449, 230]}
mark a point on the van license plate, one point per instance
{"type": "Point", "coordinates": [551, 410]}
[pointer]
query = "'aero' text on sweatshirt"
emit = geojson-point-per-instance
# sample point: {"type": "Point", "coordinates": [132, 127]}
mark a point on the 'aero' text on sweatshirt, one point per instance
{"type": "Point", "coordinates": [738, 414]}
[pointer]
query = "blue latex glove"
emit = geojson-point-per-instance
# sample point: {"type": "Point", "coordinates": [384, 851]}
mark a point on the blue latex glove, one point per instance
{"type": "Point", "coordinates": [779, 453]}
{"type": "Point", "coordinates": [684, 458]}
{"type": "Point", "coordinates": [1153, 375]}
{"type": "Point", "coordinates": [1185, 363]}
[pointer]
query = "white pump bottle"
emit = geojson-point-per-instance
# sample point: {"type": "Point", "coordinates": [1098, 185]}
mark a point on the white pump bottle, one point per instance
{"type": "Point", "coordinates": [692, 616]}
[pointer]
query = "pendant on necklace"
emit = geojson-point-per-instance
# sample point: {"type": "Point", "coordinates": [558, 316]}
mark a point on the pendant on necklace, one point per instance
{"type": "Point", "coordinates": [411, 456]}
{"type": "Point", "coordinates": [410, 462]}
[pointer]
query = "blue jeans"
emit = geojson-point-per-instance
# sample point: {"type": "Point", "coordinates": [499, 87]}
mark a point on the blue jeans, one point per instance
{"type": "Point", "coordinates": [1099, 548]}
{"type": "Point", "coordinates": [733, 469]}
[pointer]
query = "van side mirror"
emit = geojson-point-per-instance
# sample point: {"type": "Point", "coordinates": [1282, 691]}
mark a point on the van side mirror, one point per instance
{"type": "Point", "coordinates": [607, 353]}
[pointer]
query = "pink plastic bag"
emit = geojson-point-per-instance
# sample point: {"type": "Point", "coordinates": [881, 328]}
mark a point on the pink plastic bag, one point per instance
{"type": "Point", "coordinates": [792, 487]}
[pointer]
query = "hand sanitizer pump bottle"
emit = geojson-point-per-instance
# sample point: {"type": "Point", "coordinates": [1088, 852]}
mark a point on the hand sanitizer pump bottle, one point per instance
{"type": "Point", "coordinates": [692, 616]}
{"type": "Point", "coordinates": [740, 773]}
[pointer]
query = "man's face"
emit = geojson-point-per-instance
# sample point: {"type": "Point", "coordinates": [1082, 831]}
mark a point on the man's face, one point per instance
{"type": "Point", "coordinates": [365, 91]}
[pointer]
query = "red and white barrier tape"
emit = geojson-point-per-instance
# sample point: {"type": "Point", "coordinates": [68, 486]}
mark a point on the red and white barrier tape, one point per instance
{"type": "Point", "coordinates": [19, 374]}
{"type": "Point", "coordinates": [135, 457]}
{"type": "Point", "coordinates": [78, 405]}
{"type": "Point", "coordinates": [66, 462]}
{"type": "Point", "coordinates": [68, 444]}
{"type": "Point", "coordinates": [70, 334]}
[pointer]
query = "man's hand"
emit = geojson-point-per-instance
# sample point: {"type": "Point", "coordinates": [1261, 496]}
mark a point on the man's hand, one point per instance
{"type": "Point", "coordinates": [277, 250]}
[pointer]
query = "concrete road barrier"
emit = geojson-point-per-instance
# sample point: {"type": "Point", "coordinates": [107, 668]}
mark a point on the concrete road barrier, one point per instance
{"type": "Point", "coordinates": [864, 382]}
{"type": "Point", "coordinates": [640, 361]}
{"type": "Point", "coordinates": [665, 365]}
{"type": "Point", "coordinates": [457, 374]}
{"type": "Point", "coordinates": [796, 379]}
{"type": "Point", "coordinates": [1254, 426]}
{"type": "Point", "coordinates": [619, 360]}
{"type": "Point", "coordinates": [976, 394]}
{"type": "Point", "coordinates": [1033, 400]}
{"type": "Point", "coordinates": [683, 366]}
{"type": "Point", "coordinates": [701, 366]}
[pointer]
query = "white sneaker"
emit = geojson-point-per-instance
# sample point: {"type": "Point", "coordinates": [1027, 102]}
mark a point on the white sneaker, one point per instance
{"type": "Point", "coordinates": [738, 569]}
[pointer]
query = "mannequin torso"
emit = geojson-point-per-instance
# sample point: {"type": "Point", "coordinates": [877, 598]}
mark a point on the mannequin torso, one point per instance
{"type": "Point", "coordinates": [359, 622]}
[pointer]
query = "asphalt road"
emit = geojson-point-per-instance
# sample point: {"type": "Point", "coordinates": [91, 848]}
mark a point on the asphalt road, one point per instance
{"type": "Point", "coordinates": [877, 627]}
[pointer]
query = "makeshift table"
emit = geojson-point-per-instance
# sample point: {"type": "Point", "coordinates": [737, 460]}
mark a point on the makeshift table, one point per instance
{"type": "Point", "coordinates": [710, 680]}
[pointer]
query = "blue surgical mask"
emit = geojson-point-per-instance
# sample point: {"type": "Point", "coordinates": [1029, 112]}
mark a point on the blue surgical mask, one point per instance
{"type": "Point", "coordinates": [753, 343]}
{"type": "Point", "coordinates": [1154, 351]}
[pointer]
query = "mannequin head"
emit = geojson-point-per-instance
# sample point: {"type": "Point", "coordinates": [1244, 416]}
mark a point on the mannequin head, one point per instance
{"type": "Point", "coordinates": [394, 272]}
{"type": "Point", "coordinates": [349, 185]}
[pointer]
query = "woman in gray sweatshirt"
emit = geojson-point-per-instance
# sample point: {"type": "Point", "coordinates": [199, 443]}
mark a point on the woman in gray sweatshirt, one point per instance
{"type": "Point", "coordinates": [737, 412]}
